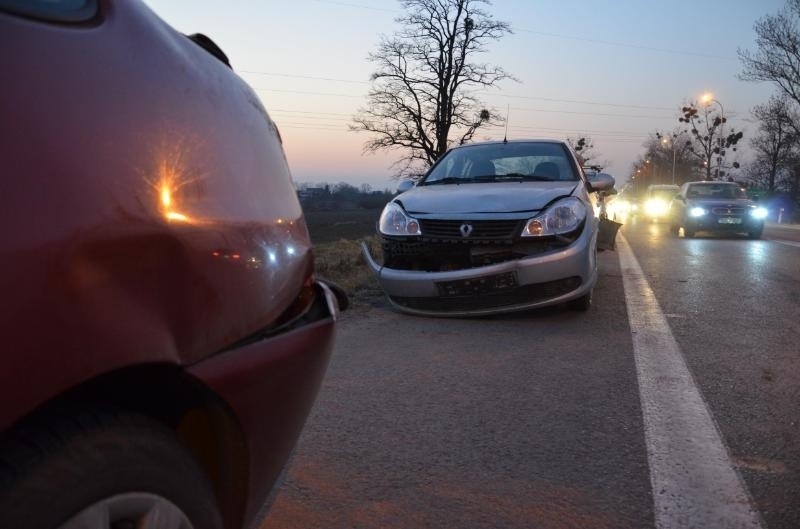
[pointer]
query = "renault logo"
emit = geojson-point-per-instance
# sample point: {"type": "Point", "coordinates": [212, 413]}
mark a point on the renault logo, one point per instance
{"type": "Point", "coordinates": [466, 230]}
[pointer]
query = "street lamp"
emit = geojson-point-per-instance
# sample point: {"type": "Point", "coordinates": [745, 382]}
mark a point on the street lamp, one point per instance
{"type": "Point", "coordinates": [707, 99]}
{"type": "Point", "coordinates": [653, 172]}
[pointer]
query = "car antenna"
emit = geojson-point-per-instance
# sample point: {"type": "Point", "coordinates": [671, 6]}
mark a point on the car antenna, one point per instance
{"type": "Point", "coordinates": [508, 110]}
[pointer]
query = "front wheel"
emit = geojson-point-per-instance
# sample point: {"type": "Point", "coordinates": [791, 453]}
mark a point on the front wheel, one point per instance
{"type": "Point", "coordinates": [755, 234]}
{"type": "Point", "coordinates": [102, 470]}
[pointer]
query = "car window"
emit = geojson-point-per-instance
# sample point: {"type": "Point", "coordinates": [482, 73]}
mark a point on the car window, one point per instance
{"type": "Point", "coordinates": [715, 191]}
{"type": "Point", "coordinates": [538, 161]}
{"type": "Point", "coordinates": [663, 194]}
{"type": "Point", "coordinates": [52, 10]}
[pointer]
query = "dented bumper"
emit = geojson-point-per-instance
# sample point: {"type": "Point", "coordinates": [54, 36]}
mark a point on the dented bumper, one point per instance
{"type": "Point", "coordinates": [530, 282]}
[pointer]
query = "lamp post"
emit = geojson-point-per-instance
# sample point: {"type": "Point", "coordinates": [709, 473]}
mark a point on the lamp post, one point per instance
{"type": "Point", "coordinates": [707, 99]}
{"type": "Point", "coordinates": [652, 172]}
{"type": "Point", "coordinates": [671, 140]}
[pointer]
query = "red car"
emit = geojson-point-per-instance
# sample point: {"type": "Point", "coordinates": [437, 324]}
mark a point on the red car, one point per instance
{"type": "Point", "coordinates": [163, 334]}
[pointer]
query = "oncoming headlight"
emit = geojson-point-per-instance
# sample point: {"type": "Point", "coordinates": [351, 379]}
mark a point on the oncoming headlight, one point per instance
{"type": "Point", "coordinates": [697, 212]}
{"type": "Point", "coordinates": [759, 213]}
{"type": "Point", "coordinates": [395, 221]}
{"type": "Point", "coordinates": [656, 206]}
{"type": "Point", "coordinates": [562, 217]}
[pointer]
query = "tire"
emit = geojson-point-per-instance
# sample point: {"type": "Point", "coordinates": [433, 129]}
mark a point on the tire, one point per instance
{"type": "Point", "coordinates": [755, 234]}
{"type": "Point", "coordinates": [581, 304]}
{"type": "Point", "coordinates": [68, 470]}
{"type": "Point", "coordinates": [674, 229]}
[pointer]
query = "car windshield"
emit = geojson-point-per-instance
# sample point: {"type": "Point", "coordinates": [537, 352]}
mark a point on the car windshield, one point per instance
{"type": "Point", "coordinates": [664, 193]}
{"type": "Point", "coordinates": [715, 191]}
{"type": "Point", "coordinates": [498, 162]}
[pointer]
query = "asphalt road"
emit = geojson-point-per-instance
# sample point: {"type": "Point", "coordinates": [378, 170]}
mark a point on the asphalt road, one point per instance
{"type": "Point", "coordinates": [541, 419]}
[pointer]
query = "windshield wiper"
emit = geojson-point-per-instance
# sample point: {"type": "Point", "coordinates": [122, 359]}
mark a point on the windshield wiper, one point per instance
{"type": "Point", "coordinates": [523, 177]}
{"type": "Point", "coordinates": [539, 178]}
{"type": "Point", "coordinates": [457, 180]}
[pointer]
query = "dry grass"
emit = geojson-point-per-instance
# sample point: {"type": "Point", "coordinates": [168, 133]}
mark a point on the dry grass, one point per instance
{"type": "Point", "coordinates": [332, 226]}
{"type": "Point", "coordinates": [341, 262]}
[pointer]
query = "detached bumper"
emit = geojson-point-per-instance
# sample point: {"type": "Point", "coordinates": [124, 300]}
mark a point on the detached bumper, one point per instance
{"type": "Point", "coordinates": [530, 282]}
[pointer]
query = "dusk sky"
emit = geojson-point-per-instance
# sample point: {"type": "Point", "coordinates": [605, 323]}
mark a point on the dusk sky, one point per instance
{"type": "Point", "coordinates": [615, 71]}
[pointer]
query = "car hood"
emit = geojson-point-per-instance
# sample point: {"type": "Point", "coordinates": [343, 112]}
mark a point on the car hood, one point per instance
{"type": "Point", "coordinates": [494, 197]}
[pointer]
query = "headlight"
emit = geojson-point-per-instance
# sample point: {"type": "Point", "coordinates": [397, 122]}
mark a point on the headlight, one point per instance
{"type": "Point", "coordinates": [394, 221]}
{"type": "Point", "coordinates": [759, 213]}
{"type": "Point", "coordinates": [697, 212]}
{"type": "Point", "coordinates": [562, 217]}
{"type": "Point", "coordinates": [656, 206]}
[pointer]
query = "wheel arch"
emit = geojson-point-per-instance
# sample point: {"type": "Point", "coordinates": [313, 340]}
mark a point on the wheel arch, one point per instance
{"type": "Point", "coordinates": [201, 421]}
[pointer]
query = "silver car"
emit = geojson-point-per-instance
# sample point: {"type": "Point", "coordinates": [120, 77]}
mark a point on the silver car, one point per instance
{"type": "Point", "coordinates": [492, 227]}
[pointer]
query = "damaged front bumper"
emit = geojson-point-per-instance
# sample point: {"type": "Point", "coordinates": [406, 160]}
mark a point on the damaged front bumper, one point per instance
{"type": "Point", "coordinates": [526, 283]}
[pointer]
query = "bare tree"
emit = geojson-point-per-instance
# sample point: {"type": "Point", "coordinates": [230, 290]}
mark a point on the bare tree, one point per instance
{"type": "Point", "coordinates": [776, 144]}
{"type": "Point", "coordinates": [674, 149]}
{"type": "Point", "coordinates": [708, 143]}
{"type": "Point", "coordinates": [584, 149]}
{"type": "Point", "coordinates": [777, 57]}
{"type": "Point", "coordinates": [423, 99]}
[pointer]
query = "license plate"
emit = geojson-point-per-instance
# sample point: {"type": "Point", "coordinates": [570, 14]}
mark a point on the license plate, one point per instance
{"type": "Point", "coordinates": [478, 285]}
{"type": "Point", "coordinates": [729, 220]}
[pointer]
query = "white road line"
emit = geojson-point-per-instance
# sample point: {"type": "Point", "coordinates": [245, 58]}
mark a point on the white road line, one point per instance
{"type": "Point", "coordinates": [694, 482]}
{"type": "Point", "coordinates": [788, 243]}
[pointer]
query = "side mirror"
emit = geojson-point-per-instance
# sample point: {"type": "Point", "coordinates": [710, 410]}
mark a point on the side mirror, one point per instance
{"type": "Point", "coordinates": [404, 186]}
{"type": "Point", "coordinates": [679, 198]}
{"type": "Point", "coordinates": [601, 182]}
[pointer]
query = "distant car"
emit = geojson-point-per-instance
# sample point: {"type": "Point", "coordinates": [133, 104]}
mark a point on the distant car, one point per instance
{"type": "Point", "coordinates": [492, 227]}
{"type": "Point", "coordinates": [624, 206]}
{"type": "Point", "coordinates": [657, 200]}
{"type": "Point", "coordinates": [716, 207]}
{"type": "Point", "coordinates": [163, 334]}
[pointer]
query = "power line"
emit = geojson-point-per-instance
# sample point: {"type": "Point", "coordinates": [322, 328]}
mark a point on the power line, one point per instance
{"type": "Point", "coordinates": [306, 127]}
{"type": "Point", "coordinates": [576, 101]}
{"type": "Point", "coordinates": [305, 93]}
{"type": "Point", "coordinates": [307, 112]}
{"type": "Point", "coordinates": [523, 109]}
{"type": "Point", "coordinates": [305, 116]}
{"type": "Point", "coordinates": [361, 6]}
{"type": "Point", "coordinates": [512, 96]}
{"type": "Point", "coordinates": [637, 116]}
{"type": "Point", "coordinates": [627, 45]}
{"type": "Point", "coordinates": [566, 37]}
{"type": "Point", "coordinates": [296, 76]}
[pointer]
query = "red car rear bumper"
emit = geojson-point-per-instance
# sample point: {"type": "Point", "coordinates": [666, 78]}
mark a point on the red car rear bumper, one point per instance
{"type": "Point", "coordinates": [271, 385]}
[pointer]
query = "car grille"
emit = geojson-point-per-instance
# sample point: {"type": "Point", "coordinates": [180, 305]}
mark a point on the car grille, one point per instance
{"type": "Point", "coordinates": [481, 229]}
{"type": "Point", "coordinates": [735, 210]}
{"type": "Point", "coordinates": [517, 296]}
{"type": "Point", "coordinates": [451, 254]}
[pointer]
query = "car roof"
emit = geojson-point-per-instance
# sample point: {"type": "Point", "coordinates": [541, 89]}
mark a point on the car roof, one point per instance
{"type": "Point", "coordinates": [500, 142]}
